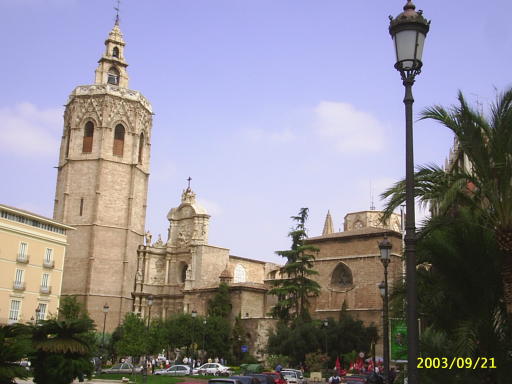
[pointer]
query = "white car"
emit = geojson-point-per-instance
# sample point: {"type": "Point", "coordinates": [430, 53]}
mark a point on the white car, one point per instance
{"type": "Point", "coordinates": [291, 377]}
{"type": "Point", "coordinates": [300, 376]}
{"type": "Point", "coordinates": [214, 369]}
{"type": "Point", "coordinates": [175, 370]}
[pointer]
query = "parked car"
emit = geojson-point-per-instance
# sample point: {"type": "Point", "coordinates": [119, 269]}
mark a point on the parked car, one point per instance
{"type": "Point", "coordinates": [262, 377]}
{"type": "Point", "coordinates": [291, 377]}
{"type": "Point", "coordinates": [278, 377]}
{"type": "Point", "coordinates": [122, 368]}
{"type": "Point", "coordinates": [175, 370]}
{"type": "Point", "coordinates": [300, 376]}
{"type": "Point", "coordinates": [226, 380]}
{"type": "Point", "coordinates": [215, 369]}
{"type": "Point", "coordinates": [246, 379]}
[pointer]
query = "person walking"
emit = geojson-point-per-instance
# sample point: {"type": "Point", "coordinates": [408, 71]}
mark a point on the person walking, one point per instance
{"type": "Point", "coordinates": [334, 379]}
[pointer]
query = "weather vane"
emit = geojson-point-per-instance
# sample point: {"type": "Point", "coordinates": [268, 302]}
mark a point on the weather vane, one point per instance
{"type": "Point", "coordinates": [117, 11]}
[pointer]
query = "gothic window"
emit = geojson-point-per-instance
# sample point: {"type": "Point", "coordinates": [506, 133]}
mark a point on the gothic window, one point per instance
{"type": "Point", "coordinates": [115, 52]}
{"type": "Point", "coordinates": [113, 76]}
{"type": "Point", "coordinates": [118, 140]}
{"type": "Point", "coordinates": [341, 277]}
{"type": "Point", "coordinates": [141, 147]}
{"type": "Point", "coordinates": [239, 274]}
{"type": "Point", "coordinates": [88, 137]}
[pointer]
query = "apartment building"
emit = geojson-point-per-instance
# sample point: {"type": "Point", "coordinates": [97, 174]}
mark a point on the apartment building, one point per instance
{"type": "Point", "coordinates": [32, 251]}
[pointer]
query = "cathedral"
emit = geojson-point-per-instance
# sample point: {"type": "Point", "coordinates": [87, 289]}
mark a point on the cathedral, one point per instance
{"type": "Point", "coordinates": [112, 259]}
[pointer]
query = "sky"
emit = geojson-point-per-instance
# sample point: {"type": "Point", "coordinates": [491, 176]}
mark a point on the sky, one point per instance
{"type": "Point", "coordinates": [268, 105]}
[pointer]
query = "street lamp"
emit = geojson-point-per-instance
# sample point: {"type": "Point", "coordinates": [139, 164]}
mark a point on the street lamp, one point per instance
{"type": "Point", "coordinates": [385, 332]}
{"type": "Point", "coordinates": [385, 253]}
{"type": "Point", "coordinates": [105, 312]}
{"type": "Point", "coordinates": [408, 31]}
{"type": "Point", "coordinates": [194, 315]}
{"type": "Point", "coordinates": [326, 324]}
{"type": "Point", "coordinates": [149, 302]}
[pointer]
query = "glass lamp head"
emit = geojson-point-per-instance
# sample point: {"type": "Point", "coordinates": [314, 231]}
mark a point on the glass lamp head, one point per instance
{"type": "Point", "coordinates": [408, 31]}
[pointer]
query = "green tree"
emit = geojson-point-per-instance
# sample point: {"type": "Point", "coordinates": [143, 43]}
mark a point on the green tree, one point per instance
{"type": "Point", "coordinates": [63, 349]}
{"type": "Point", "coordinates": [220, 305]}
{"type": "Point", "coordinates": [303, 336]}
{"type": "Point", "coordinates": [133, 337]}
{"type": "Point", "coordinates": [14, 345]}
{"type": "Point", "coordinates": [486, 141]}
{"type": "Point", "coordinates": [295, 285]}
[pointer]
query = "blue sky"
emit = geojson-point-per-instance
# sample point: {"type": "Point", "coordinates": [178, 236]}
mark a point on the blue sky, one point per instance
{"type": "Point", "coordinates": [269, 105]}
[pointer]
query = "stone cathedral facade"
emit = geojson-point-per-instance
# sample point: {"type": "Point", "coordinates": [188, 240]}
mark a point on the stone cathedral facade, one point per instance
{"type": "Point", "coordinates": [102, 185]}
{"type": "Point", "coordinates": [101, 191]}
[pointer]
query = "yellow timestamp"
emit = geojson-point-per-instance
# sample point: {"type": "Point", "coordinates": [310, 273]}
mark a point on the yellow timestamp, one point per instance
{"type": "Point", "coordinates": [456, 362]}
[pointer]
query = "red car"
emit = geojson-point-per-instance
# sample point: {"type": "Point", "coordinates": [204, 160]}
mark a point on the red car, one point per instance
{"type": "Point", "coordinates": [278, 378]}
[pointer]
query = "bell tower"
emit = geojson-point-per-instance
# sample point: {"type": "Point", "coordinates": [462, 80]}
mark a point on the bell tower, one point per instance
{"type": "Point", "coordinates": [102, 185]}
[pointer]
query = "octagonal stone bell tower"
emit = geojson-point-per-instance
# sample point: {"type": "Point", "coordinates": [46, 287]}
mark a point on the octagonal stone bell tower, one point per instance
{"type": "Point", "coordinates": [102, 185]}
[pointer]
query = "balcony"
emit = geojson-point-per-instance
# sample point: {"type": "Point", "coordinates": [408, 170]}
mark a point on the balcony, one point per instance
{"type": "Point", "coordinates": [22, 258]}
{"type": "Point", "coordinates": [48, 263]}
{"type": "Point", "coordinates": [18, 285]}
{"type": "Point", "coordinates": [45, 290]}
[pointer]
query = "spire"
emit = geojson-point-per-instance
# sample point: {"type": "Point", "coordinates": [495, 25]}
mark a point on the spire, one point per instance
{"type": "Point", "coordinates": [117, 11]}
{"type": "Point", "coordinates": [112, 66]}
{"type": "Point", "coordinates": [328, 228]}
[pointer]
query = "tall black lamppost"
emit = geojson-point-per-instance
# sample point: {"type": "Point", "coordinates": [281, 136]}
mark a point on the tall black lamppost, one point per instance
{"type": "Point", "coordinates": [408, 31]}
{"type": "Point", "coordinates": [149, 302]}
{"type": "Point", "coordinates": [385, 253]}
{"type": "Point", "coordinates": [194, 315]}
{"type": "Point", "coordinates": [326, 324]}
{"type": "Point", "coordinates": [105, 312]}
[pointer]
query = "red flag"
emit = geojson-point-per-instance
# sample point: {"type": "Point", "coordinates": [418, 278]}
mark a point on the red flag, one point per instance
{"type": "Point", "coordinates": [338, 365]}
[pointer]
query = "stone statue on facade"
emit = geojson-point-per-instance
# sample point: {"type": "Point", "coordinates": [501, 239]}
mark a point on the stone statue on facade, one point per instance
{"type": "Point", "coordinates": [148, 238]}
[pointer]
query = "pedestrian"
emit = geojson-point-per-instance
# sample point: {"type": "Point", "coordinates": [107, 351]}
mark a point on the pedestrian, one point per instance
{"type": "Point", "coordinates": [334, 379]}
{"type": "Point", "coordinates": [392, 375]}
{"type": "Point", "coordinates": [209, 360]}
{"type": "Point", "coordinates": [279, 367]}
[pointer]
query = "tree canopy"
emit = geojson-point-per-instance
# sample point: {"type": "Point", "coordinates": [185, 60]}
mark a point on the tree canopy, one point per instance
{"type": "Point", "coordinates": [295, 285]}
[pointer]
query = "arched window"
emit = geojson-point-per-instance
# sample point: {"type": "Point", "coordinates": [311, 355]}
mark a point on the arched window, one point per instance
{"type": "Point", "coordinates": [341, 277]}
{"type": "Point", "coordinates": [183, 272]}
{"type": "Point", "coordinates": [239, 274]}
{"type": "Point", "coordinates": [115, 52]}
{"type": "Point", "coordinates": [141, 147]}
{"type": "Point", "coordinates": [118, 140]}
{"type": "Point", "coordinates": [88, 137]}
{"type": "Point", "coordinates": [113, 76]}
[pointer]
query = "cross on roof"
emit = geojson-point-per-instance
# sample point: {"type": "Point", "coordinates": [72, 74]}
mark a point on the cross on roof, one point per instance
{"type": "Point", "coordinates": [189, 178]}
{"type": "Point", "coordinates": [117, 11]}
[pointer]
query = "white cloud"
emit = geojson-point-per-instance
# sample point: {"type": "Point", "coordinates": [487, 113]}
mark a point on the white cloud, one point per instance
{"type": "Point", "coordinates": [29, 131]}
{"type": "Point", "coordinates": [350, 129]}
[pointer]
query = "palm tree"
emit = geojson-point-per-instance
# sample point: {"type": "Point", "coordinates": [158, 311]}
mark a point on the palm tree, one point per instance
{"type": "Point", "coordinates": [14, 345]}
{"type": "Point", "coordinates": [486, 185]}
{"type": "Point", "coordinates": [63, 349]}
{"type": "Point", "coordinates": [460, 298]}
